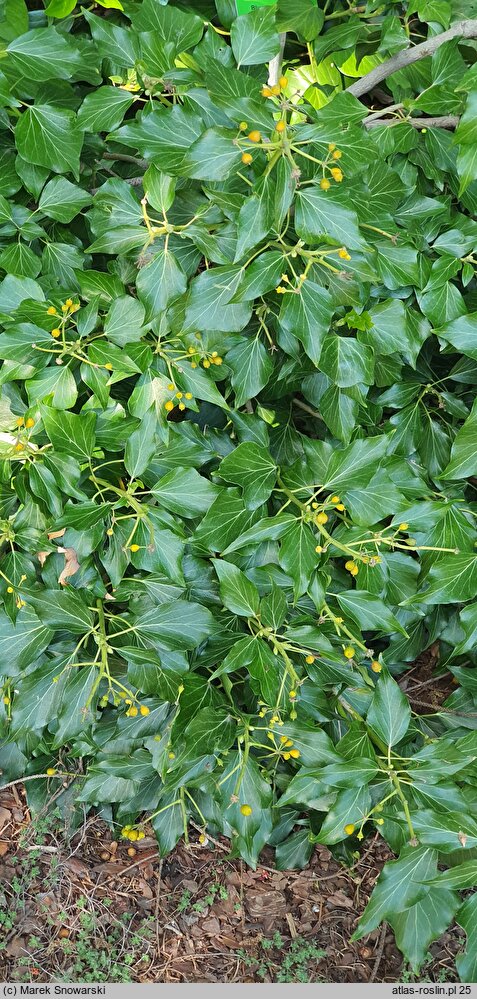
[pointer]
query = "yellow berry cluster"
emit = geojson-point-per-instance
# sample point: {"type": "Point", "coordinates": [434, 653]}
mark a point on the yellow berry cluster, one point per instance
{"type": "Point", "coordinates": [67, 308]}
{"type": "Point", "coordinates": [205, 357]}
{"type": "Point", "coordinates": [177, 400]}
{"type": "Point", "coordinates": [274, 91]}
{"type": "Point", "coordinates": [255, 136]}
{"type": "Point", "coordinates": [334, 171]}
{"type": "Point", "coordinates": [286, 750]}
{"type": "Point", "coordinates": [23, 424]}
{"type": "Point", "coordinates": [11, 590]}
{"type": "Point", "coordinates": [133, 709]}
{"type": "Point", "coordinates": [128, 832]}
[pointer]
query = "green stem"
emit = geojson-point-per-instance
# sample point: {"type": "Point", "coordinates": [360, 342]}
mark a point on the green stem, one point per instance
{"type": "Point", "coordinates": [405, 806]}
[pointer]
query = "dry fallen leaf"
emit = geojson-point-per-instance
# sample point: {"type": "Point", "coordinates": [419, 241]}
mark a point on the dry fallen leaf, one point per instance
{"type": "Point", "coordinates": [71, 565]}
{"type": "Point", "coordinates": [71, 559]}
{"type": "Point", "coordinates": [56, 534]}
{"type": "Point", "coordinates": [5, 817]}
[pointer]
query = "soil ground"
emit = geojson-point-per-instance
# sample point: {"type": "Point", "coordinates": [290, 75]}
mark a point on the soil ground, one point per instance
{"type": "Point", "coordinates": [87, 910]}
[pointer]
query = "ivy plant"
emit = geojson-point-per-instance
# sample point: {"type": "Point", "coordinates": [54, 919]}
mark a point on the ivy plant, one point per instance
{"type": "Point", "coordinates": [238, 430]}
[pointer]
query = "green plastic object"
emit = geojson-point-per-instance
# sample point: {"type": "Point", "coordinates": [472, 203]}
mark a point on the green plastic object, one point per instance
{"type": "Point", "coordinates": [245, 6]}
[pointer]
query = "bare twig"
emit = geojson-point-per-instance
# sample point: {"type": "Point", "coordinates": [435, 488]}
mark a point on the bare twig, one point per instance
{"type": "Point", "coordinates": [379, 954]}
{"type": "Point", "coordinates": [126, 158]}
{"type": "Point", "coordinates": [275, 66]}
{"type": "Point", "coordinates": [462, 29]}
{"type": "Point", "coordinates": [307, 409]}
{"type": "Point", "coordinates": [450, 121]}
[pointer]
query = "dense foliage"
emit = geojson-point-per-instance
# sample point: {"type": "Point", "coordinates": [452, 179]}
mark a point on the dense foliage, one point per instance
{"type": "Point", "coordinates": [238, 430]}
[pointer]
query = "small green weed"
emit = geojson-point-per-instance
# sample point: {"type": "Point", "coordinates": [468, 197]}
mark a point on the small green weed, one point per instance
{"type": "Point", "coordinates": [297, 964]}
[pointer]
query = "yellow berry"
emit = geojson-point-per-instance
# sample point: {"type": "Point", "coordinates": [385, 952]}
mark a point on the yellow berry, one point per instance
{"type": "Point", "coordinates": [331, 146]}
{"type": "Point", "coordinates": [293, 714]}
{"type": "Point", "coordinates": [108, 366]}
{"type": "Point", "coordinates": [20, 421]}
{"type": "Point", "coordinates": [254, 136]}
{"type": "Point", "coordinates": [343, 254]}
{"type": "Point", "coordinates": [337, 174]}
{"type": "Point", "coordinates": [319, 548]}
{"type": "Point", "coordinates": [266, 92]}
{"type": "Point", "coordinates": [51, 311]}
{"type": "Point", "coordinates": [337, 154]}
{"type": "Point", "coordinates": [179, 395]}
{"type": "Point", "coordinates": [286, 756]}
{"type": "Point", "coordinates": [283, 82]}
{"type": "Point", "coordinates": [141, 834]}
{"type": "Point", "coordinates": [188, 395]}
{"type": "Point", "coordinates": [310, 660]}
{"type": "Point", "coordinates": [348, 652]}
{"type": "Point", "coordinates": [245, 810]}
{"type": "Point", "coordinates": [280, 126]}
{"type": "Point", "coordinates": [206, 363]}
{"type": "Point", "coordinates": [144, 710]}
{"type": "Point", "coordinates": [171, 756]}
{"type": "Point", "coordinates": [349, 829]}
{"type": "Point", "coordinates": [134, 548]}
{"type": "Point", "coordinates": [243, 126]}
{"type": "Point", "coordinates": [69, 303]}
{"type": "Point", "coordinates": [169, 406]}
{"type": "Point", "coordinates": [376, 666]}
{"type": "Point", "coordinates": [202, 837]}
{"type": "Point", "coordinates": [289, 743]}
{"type": "Point", "coordinates": [110, 532]}
{"type": "Point", "coordinates": [283, 738]}
{"type": "Point", "coordinates": [181, 407]}
{"type": "Point", "coordinates": [292, 695]}
{"type": "Point", "coordinates": [64, 308]}
{"type": "Point", "coordinates": [275, 89]}
{"type": "Point", "coordinates": [171, 386]}
{"type": "Point", "coordinates": [321, 518]}
{"type": "Point", "coordinates": [29, 423]}
{"type": "Point", "coordinates": [6, 699]}
{"type": "Point", "coordinates": [340, 507]}
{"type": "Point", "coordinates": [280, 290]}
{"type": "Point", "coordinates": [194, 364]}
{"type": "Point", "coordinates": [218, 360]}
{"type": "Point", "coordinates": [9, 589]}
{"type": "Point", "coordinates": [325, 184]}
{"type": "Point", "coordinates": [19, 447]}
{"type": "Point", "coordinates": [379, 822]}
{"type": "Point", "coordinates": [403, 527]}
{"type": "Point", "coordinates": [56, 333]}
{"type": "Point", "coordinates": [51, 771]}
{"type": "Point", "coordinates": [247, 158]}
{"type": "Point", "coordinates": [133, 835]}
{"type": "Point", "coordinates": [335, 499]}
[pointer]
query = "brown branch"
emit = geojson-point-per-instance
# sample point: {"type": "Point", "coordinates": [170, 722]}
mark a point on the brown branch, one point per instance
{"type": "Point", "coordinates": [462, 29]}
{"type": "Point", "coordinates": [450, 121]}
{"type": "Point", "coordinates": [126, 158]}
